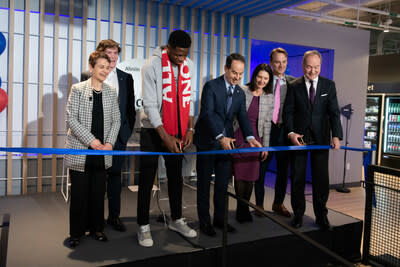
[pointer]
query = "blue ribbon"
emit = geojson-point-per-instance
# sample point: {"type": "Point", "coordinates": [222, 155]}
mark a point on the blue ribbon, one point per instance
{"type": "Point", "coordinates": [64, 151]}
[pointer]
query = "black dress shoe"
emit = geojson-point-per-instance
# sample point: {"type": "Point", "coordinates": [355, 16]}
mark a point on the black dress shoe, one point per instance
{"type": "Point", "coordinates": [116, 224]}
{"type": "Point", "coordinates": [229, 228]}
{"type": "Point", "coordinates": [207, 229]}
{"type": "Point", "coordinates": [244, 217]}
{"type": "Point", "coordinates": [100, 236]}
{"type": "Point", "coordinates": [297, 222]}
{"type": "Point", "coordinates": [74, 242]}
{"type": "Point", "coordinates": [323, 223]}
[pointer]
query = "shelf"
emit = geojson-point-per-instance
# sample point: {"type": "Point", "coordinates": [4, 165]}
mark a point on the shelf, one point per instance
{"type": "Point", "coordinates": [372, 113]}
{"type": "Point", "coordinates": [369, 138]}
{"type": "Point", "coordinates": [373, 121]}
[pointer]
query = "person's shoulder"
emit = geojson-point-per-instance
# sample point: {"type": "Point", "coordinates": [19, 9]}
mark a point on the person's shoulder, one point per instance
{"type": "Point", "coordinates": [244, 87]}
{"type": "Point", "coordinates": [290, 78]}
{"type": "Point", "coordinates": [325, 80]}
{"type": "Point", "coordinates": [121, 72]}
{"type": "Point", "coordinates": [296, 82]}
{"type": "Point", "coordinates": [80, 85]}
{"type": "Point", "coordinates": [215, 82]}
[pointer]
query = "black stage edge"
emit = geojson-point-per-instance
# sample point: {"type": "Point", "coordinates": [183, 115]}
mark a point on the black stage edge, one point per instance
{"type": "Point", "coordinates": [275, 251]}
{"type": "Point", "coordinates": [39, 230]}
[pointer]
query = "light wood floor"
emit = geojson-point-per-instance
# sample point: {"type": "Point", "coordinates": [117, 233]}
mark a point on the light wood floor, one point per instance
{"type": "Point", "coordinates": [352, 204]}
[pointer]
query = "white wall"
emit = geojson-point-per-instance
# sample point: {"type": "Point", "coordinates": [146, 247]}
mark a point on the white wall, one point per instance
{"type": "Point", "coordinates": [350, 74]}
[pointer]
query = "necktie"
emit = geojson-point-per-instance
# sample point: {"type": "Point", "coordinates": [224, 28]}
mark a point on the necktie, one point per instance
{"type": "Point", "coordinates": [277, 101]}
{"type": "Point", "coordinates": [312, 92]}
{"type": "Point", "coordinates": [229, 99]}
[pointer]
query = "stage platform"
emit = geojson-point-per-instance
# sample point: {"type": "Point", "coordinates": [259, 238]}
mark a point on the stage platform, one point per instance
{"type": "Point", "coordinates": [38, 228]}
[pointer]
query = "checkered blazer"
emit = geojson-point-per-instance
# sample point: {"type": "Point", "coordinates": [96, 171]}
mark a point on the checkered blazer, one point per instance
{"type": "Point", "coordinates": [265, 111]}
{"type": "Point", "coordinates": [79, 121]}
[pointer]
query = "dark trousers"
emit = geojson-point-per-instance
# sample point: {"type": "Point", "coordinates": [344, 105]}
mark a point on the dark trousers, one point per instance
{"type": "Point", "coordinates": [205, 165]}
{"type": "Point", "coordinates": [278, 137]}
{"type": "Point", "coordinates": [87, 198]}
{"type": "Point", "coordinates": [114, 184]}
{"type": "Point", "coordinates": [320, 181]}
{"type": "Point", "coordinates": [151, 141]}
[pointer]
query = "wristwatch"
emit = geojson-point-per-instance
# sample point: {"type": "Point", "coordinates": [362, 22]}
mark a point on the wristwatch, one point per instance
{"type": "Point", "coordinates": [190, 129]}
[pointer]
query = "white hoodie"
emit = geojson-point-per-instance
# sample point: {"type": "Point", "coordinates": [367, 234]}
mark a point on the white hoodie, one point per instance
{"type": "Point", "coordinates": [151, 116]}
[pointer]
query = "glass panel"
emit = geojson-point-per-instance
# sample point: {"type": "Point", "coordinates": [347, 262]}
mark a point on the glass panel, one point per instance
{"type": "Point", "coordinates": [392, 126]}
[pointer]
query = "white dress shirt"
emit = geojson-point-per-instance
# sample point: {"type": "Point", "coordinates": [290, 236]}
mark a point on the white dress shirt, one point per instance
{"type": "Point", "coordinates": [112, 79]}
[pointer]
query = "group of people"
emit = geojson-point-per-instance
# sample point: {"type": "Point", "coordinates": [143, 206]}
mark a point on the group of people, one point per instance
{"type": "Point", "coordinates": [273, 109]}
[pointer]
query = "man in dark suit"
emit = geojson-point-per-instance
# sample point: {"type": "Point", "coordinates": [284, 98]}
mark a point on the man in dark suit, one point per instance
{"type": "Point", "coordinates": [311, 114]}
{"type": "Point", "coordinates": [123, 82]}
{"type": "Point", "coordinates": [278, 62]}
{"type": "Point", "coordinates": [222, 100]}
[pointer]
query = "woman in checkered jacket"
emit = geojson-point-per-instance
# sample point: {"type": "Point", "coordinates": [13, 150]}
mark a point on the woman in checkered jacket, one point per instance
{"type": "Point", "coordinates": [93, 122]}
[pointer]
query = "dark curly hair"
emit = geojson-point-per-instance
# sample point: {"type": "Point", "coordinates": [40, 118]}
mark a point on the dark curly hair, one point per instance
{"type": "Point", "coordinates": [252, 84]}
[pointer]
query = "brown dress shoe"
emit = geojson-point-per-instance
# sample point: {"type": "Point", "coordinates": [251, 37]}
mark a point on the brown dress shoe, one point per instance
{"type": "Point", "coordinates": [281, 210]}
{"type": "Point", "coordinates": [258, 213]}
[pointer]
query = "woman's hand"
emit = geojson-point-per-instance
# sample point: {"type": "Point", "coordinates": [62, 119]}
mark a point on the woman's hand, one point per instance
{"type": "Point", "coordinates": [96, 144]}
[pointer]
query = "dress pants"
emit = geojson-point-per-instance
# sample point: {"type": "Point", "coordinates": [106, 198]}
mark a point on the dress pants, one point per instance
{"type": "Point", "coordinates": [114, 184]}
{"type": "Point", "coordinates": [205, 165]}
{"type": "Point", "coordinates": [150, 141]}
{"type": "Point", "coordinates": [320, 181]}
{"type": "Point", "coordinates": [278, 137]}
{"type": "Point", "coordinates": [87, 197]}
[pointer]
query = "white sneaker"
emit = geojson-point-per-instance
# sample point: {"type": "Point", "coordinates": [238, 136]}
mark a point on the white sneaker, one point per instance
{"type": "Point", "coordinates": [180, 226]}
{"type": "Point", "coordinates": [144, 236]}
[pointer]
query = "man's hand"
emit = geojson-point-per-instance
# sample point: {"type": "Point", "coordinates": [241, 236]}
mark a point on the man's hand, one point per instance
{"type": "Point", "coordinates": [172, 144]}
{"type": "Point", "coordinates": [96, 144]}
{"type": "Point", "coordinates": [187, 139]}
{"type": "Point", "coordinates": [294, 139]}
{"type": "Point", "coordinates": [335, 143]}
{"type": "Point", "coordinates": [169, 141]}
{"type": "Point", "coordinates": [107, 146]}
{"type": "Point", "coordinates": [264, 155]}
{"type": "Point", "coordinates": [226, 143]}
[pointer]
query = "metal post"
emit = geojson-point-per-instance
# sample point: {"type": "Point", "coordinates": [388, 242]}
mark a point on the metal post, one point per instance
{"type": "Point", "coordinates": [343, 189]}
{"type": "Point", "coordinates": [225, 232]}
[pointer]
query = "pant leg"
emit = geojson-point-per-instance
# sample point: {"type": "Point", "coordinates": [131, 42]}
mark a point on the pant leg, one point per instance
{"type": "Point", "coordinates": [320, 181]}
{"type": "Point", "coordinates": [97, 187]}
{"type": "Point", "coordinates": [78, 210]}
{"type": "Point", "coordinates": [223, 173]}
{"type": "Point", "coordinates": [114, 193]}
{"type": "Point", "coordinates": [298, 182]}
{"type": "Point", "coordinates": [148, 169]}
{"type": "Point", "coordinates": [259, 186]}
{"type": "Point", "coordinates": [204, 169]}
{"type": "Point", "coordinates": [173, 165]}
{"type": "Point", "coordinates": [114, 184]}
{"type": "Point", "coordinates": [279, 138]}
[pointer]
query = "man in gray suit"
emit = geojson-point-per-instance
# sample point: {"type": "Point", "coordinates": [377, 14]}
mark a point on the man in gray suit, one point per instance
{"type": "Point", "coordinates": [278, 62]}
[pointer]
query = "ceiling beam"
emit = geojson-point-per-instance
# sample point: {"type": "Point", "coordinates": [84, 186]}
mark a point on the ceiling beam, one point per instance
{"type": "Point", "coordinates": [339, 20]}
{"type": "Point", "coordinates": [361, 8]}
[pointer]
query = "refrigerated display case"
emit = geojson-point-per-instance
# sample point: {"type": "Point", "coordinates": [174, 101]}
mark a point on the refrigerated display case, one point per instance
{"type": "Point", "coordinates": [391, 132]}
{"type": "Point", "coordinates": [372, 121]}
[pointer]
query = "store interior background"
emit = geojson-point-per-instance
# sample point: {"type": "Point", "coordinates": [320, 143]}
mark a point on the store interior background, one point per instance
{"type": "Point", "coordinates": [355, 58]}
